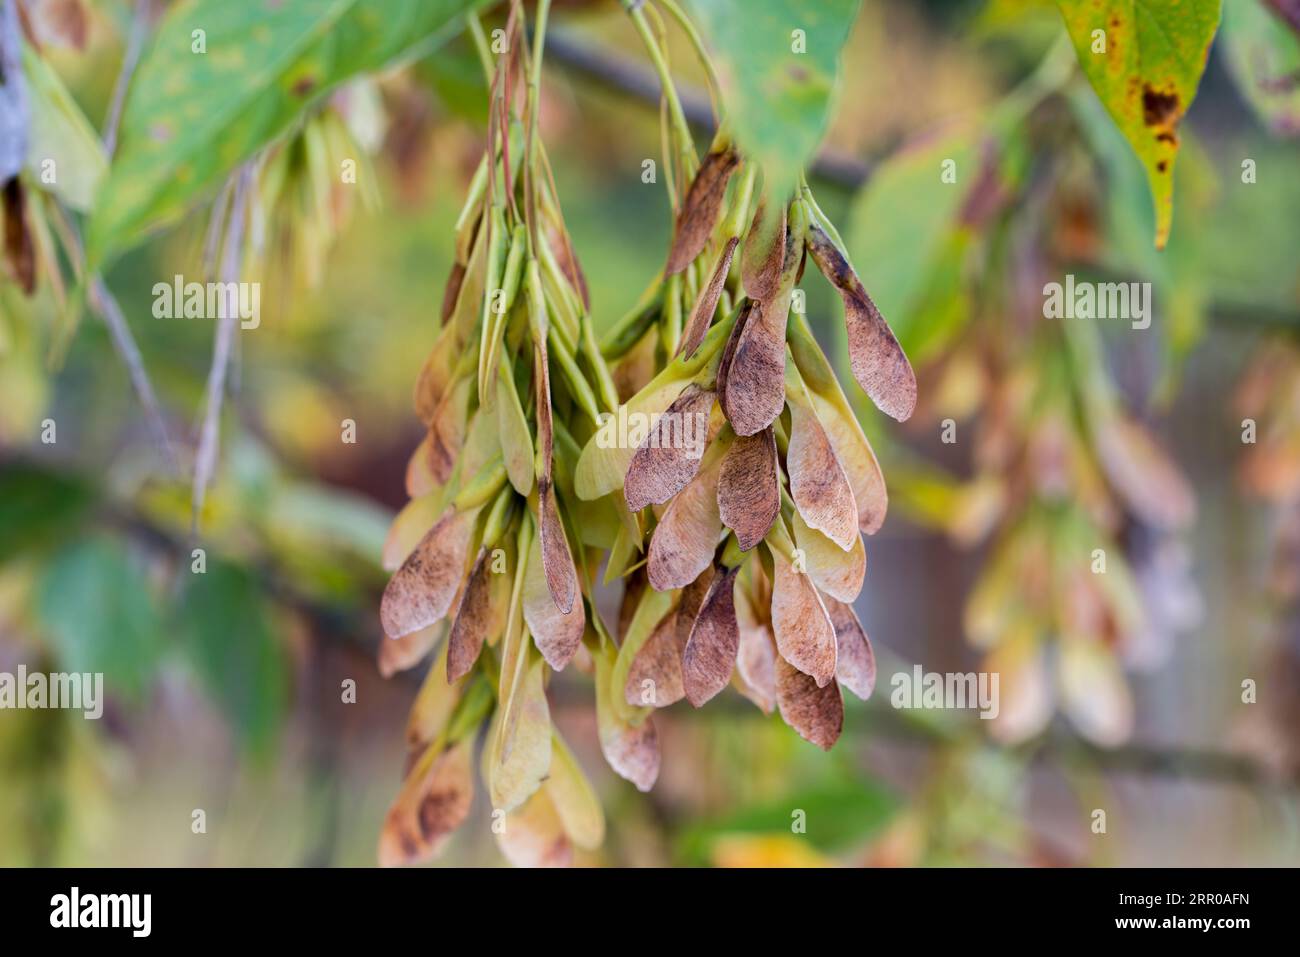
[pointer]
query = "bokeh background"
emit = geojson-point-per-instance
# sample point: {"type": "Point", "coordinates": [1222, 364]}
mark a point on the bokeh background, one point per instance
{"type": "Point", "coordinates": [225, 693]}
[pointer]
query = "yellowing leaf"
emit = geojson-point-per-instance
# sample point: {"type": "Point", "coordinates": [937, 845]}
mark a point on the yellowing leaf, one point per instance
{"type": "Point", "coordinates": [1145, 59]}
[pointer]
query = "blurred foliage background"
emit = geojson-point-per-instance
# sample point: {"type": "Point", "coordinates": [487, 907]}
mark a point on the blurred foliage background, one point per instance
{"type": "Point", "coordinates": [226, 689]}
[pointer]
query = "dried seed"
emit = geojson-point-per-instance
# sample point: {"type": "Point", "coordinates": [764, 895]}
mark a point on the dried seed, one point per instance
{"type": "Point", "coordinates": [852, 449]}
{"type": "Point", "coordinates": [707, 302]}
{"type": "Point", "coordinates": [749, 490]}
{"type": "Point", "coordinates": [411, 524]}
{"type": "Point", "coordinates": [534, 835]}
{"type": "Point", "coordinates": [452, 292]}
{"type": "Point", "coordinates": [764, 254]}
{"type": "Point", "coordinates": [421, 591]}
{"type": "Point", "coordinates": [557, 560]}
{"type": "Point", "coordinates": [448, 428]}
{"type": "Point", "coordinates": [556, 633]}
{"type": "Point", "coordinates": [804, 634]}
{"type": "Point", "coordinates": [855, 663]}
{"type": "Point", "coordinates": [710, 653]}
{"type": "Point", "coordinates": [756, 664]}
{"type": "Point", "coordinates": [632, 750]}
{"type": "Point", "coordinates": [838, 573]}
{"type": "Point", "coordinates": [477, 619]}
{"type": "Point", "coordinates": [670, 455]}
{"type": "Point", "coordinates": [875, 356]}
{"type": "Point", "coordinates": [755, 377]}
{"type": "Point", "coordinates": [818, 485]}
{"type": "Point", "coordinates": [434, 800]}
{"type": "Point", "coordinates": [817, 713]}
{"type": "Point", "coordinates": [701, 208]}
{"type": "Point", "coordinates": [403, 654]}
{"type": "Point", "coordinates": [686, 537]}
{"type": "Point", "coordinates": [655, 680]}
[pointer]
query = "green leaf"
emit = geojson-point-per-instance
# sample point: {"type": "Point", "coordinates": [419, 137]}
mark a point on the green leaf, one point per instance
{"type": "Point", "coordinates": [1145, 58]}
{"type": "Point", "coordinates": [95, 602]}
{"type": "Point", "coordinates": [38, 507]}
{"type": "Point", "coordinates": [777, 61]}
{"type": "Point", "coordinates": [1263, 57]}
{"type": "Point", "coordinates": [191, 117]}
{"type": "Point", "coordinates": [61, 133]}
{"type": "Point", "coordinates": [231, 639]}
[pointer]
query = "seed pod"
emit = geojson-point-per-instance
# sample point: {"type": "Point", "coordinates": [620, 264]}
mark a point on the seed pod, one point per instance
{"type": "Point", "coordinates": [422, 590]}
{"type": "Point", "coordinates": [701, 208]}
{"type": "Point", "coordinates": [875, 356]}
{"type": "Point", "coordinates": [666, 461]}
{"type": "Point", "coordinates": [433, 802]}
{"type": "Point", "coordinates": [855, 664]}
{"type": "Point", "coordinates": [707, 303]}
{"type": "Point", "coordinates": [710, 653]}
{"type": "Point", "coordinates": [749, 488]}
{"type": "Point", "coordinates": [804, 634]}
{"type": "Point", "coordinates": [816, 712]}
{"type": "Point", "coordinates": [764, 253]}
{"type": "Point", "coordinates": [755, 378]}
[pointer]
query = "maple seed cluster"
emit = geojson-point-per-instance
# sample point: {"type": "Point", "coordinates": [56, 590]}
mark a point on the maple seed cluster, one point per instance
{"type": "Point", "coordinates": [738, 566]}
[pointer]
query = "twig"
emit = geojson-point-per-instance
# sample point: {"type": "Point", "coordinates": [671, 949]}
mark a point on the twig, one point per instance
{"type": "Point", "coordinates": [205, 458]}
{"type": "Point", "coordinates": [108, 309]}
{"type": "Point", "coordinates": [134, 44]}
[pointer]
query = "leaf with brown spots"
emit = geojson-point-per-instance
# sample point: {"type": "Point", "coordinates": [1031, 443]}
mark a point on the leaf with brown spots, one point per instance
{"type": "Point", "coordinates": [764, 254]}
{"type": "Point", "coordinates": [670, 455]}
{"type": "Point", "coordinates": [409, 526]}
{"type": "Point", "coordinates": [707, 303]}
{"type": "Point", "coordinates": [876, 358]}
{"type": "Point", "coordinates": [556, 633]}
{"type": "Point", "coordinates": [855, 664]}
{"type": "Point", "coordinates": [710, 653]}
{"type": "Point", "coordinates": [655, 680]}
{"type": "Point", "coordinates": [1146, 76]}
{"type": "Point", "coordinates": [804, 634]}
{"type": "Point", "coordinates": [701, 208]}
{"type": "Point", "coordinates": [632, 750]}
{"type": "Point", "coordinates": [749, 490]}
{"type": "Point", "coordinates": [818, 485]}
{"type": "Point", "coordinates": [422, 590]}
{"type": "Point", "coordinates": [434, 800]}
{"type": "Point", "coordinates": [817, 713]}
{"type": "Point", "coordinates": [686, 537]}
